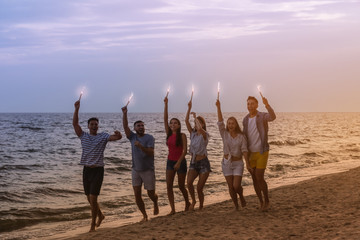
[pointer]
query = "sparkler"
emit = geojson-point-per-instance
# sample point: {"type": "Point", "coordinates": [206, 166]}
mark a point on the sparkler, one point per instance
{"type": "Point", "coordinates": [81, 93]}
{"type": "Point", "coordinates": [131, 96]}
{"type": "Point", "coordinates": [192, 93]}
{"type": "Point", "coordinates": [258, 87]}
{"type": "Point", "coordinates": [167, 93]}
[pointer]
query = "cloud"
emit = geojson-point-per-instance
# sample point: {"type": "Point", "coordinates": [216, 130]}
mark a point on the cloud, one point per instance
{"type": "Point", "coordinates": [246, 6]}
{"type": "Point", "coordinates": [319, 16]}
{"type": "Point", "coordinates": [98, 26]}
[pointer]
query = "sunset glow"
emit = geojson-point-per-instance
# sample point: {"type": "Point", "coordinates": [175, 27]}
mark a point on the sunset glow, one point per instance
{"type": "Point", "coordinates": [294, 48]}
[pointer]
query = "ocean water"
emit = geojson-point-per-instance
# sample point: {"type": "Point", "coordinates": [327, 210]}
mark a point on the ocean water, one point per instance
{"type": "Point", "coordinates": [41, 181]}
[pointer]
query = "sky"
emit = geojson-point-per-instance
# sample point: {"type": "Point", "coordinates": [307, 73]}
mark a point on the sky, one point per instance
{"type": "Point", "coordinates": [305, 55]}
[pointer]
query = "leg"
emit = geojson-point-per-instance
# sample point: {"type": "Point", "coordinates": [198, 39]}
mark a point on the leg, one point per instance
{"type": "Point", "coordinates": [154, 197]}
{"type": "Point", "coordinates": [239, 190]}
{"type": "Point", "coordinates": [230, 180]}
{"type": "Point", "coordinates": [92, 180]}
{"type": "Point", "coordinates": [181, 182]}
{"type": "Point", "coordinates": [259, 174]}
{"type": "Point", "coordinates": [200, 186]}
{"type": "Point", "coordinates": [257, 188]}
{"type": "Point", "coordinates": [140, 202]}
{"type": "Point", "coordinates": [94, 210]}
{"type": "Point", "coordinates": [192, 174]}
{"type": "Point", "coordinates": [170, 175]}
{"type": "Point", "coordinates": [101, 217]}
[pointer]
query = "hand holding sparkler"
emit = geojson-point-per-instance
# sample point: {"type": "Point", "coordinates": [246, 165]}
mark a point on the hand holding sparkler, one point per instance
{"type": "Point", "coordinates": [265, 101]}
{"type": "Point", "coordinates": [77, 105]}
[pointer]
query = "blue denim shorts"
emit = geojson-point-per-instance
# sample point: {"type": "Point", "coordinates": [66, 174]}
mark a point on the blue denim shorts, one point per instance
{"type": "Point", "coordinates": [201, 166]}
{"type": "Point", "coordinates": [170, 166]}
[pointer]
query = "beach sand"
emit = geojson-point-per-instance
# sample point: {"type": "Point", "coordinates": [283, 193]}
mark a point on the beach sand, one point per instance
{"type": "Point", "coordinates": [325, 207]}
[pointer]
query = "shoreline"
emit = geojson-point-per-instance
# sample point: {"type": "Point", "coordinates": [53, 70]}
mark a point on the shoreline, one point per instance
{"type": "Point", "coordinates": [322, 207]}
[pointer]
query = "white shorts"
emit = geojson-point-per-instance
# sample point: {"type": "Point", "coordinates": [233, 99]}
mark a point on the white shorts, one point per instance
{"type": "Point", "coordinates": [232, 168]}
{"type": "Point", "coordinates": [147, 177]}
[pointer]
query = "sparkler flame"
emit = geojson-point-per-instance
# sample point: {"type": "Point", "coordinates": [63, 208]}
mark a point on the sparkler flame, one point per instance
{"type": "Point", "coordinates": [81, 93]}
{"type": "Point", "coordinates": [259, 89]}
{"type": "Point", "coordinates": [167, 92]}
{"type": "Point", "coordinates": [192, 92]}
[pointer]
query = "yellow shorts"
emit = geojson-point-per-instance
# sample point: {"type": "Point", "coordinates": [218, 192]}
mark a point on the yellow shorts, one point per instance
{"type": "Point", "coordinates": [258, 160]}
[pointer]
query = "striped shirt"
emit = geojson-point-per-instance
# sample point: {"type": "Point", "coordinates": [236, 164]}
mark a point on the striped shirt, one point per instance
{"type": "Point", "coordinates": [93, 148]}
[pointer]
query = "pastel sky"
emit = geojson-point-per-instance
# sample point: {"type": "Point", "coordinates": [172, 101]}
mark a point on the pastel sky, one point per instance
{"type": "Point", "coordinates": [304, 54]}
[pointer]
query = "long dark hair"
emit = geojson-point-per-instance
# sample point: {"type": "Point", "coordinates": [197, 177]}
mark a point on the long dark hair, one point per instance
{"type": "Point", "coordinates": [237, 128]}
{"type": "Point", "coordinates": [178, 133]}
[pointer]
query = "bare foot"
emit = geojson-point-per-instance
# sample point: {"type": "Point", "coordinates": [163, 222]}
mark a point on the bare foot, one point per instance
{"type": "Point", "coordinates": [192, 206]}
{"type": "Point", "coordinates": [261, 205]}
{"type": "Point", "coordinates": [266, 206]}
{"type": "Point", "coordinates": [145, 218]}
{"type": "Point", "coordinates": [171, 213]}
{"type": "Point", "coordinates": [100, 219]}
{"type": "Point", "coordinates": [92, 228]}
{"type": "Point", "coordinates": [187, 206]}
{"type": "Point", "coordinates": [243, 202]}
{"type": "Point", "coordinates": [156, 208]}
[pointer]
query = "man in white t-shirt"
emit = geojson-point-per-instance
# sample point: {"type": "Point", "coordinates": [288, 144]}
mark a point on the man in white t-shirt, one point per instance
{"type": "Point", "coordinates": [256, 130]}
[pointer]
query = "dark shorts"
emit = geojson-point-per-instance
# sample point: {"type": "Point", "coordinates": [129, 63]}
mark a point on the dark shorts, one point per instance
{"type": "Point", "coordinates": [201, 166]}
{"type": "Point", "coordinates": [92, 180]}
{"type": "Point", "coordinates": [170, 166]}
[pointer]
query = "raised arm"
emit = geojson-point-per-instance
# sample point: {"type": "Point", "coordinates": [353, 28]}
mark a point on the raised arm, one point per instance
{"type": "Point", "coordinates": [76, 125]}
{"type": "Point", "coordinates": [271, 116]}
{"type": "Point", "coordinates": [219, 113]}
{"type": "Point", "coordinates": [166, 117]}
{"type": "Point", "coordinates": [199, 128]}
{"type": "Point", "coordinates": [187, 118]}
{"type": "Point", "coordinates": [125, 122]}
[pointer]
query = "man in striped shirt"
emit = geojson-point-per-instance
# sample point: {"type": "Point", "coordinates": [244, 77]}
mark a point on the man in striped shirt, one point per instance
{"type": "Point", "coordinates": [93, 145]}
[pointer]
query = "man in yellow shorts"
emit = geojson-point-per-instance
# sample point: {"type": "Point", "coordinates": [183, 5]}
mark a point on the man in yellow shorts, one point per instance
{"type": "Point", "coordinates": [256, 130]}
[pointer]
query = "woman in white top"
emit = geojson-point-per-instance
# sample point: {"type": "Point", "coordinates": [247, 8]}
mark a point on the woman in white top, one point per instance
{"type": "Point", "coordinates": [235, 146]}
{"type": "Point", "coordinates": [199, 165]}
